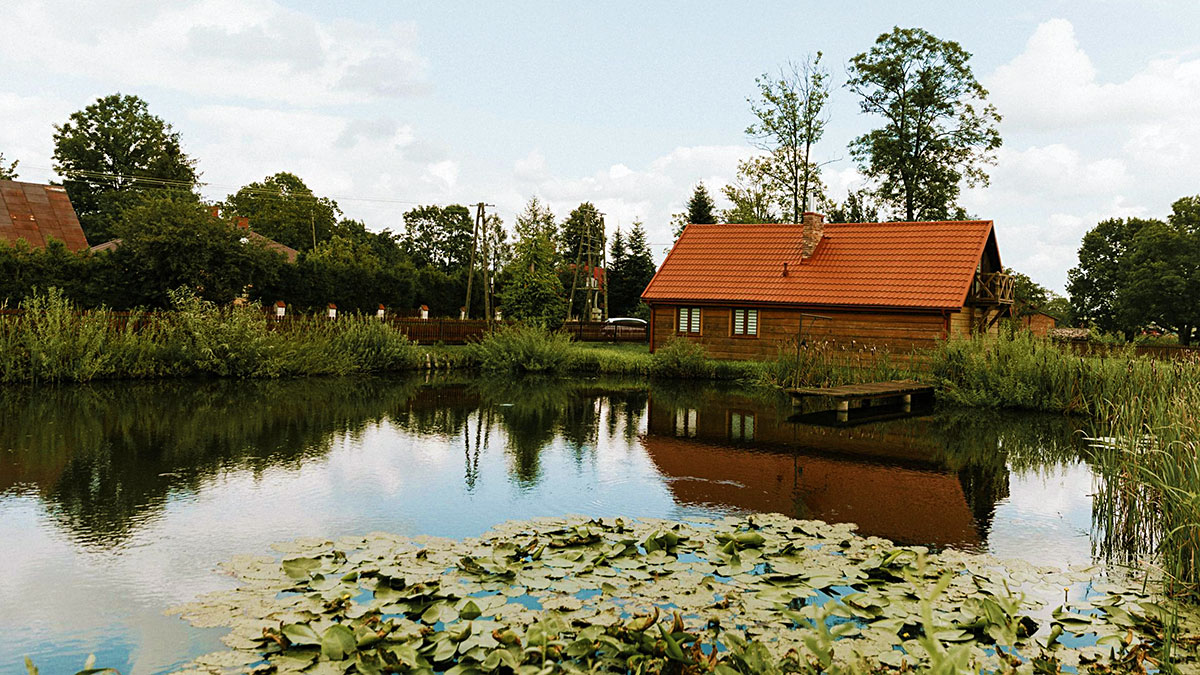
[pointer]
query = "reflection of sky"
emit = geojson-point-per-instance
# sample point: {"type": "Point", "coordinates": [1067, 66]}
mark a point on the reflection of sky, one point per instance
{"type": "Point", "coordinates": [1047, 517]}
{"type": "Point", "coordinates": [59, 601]}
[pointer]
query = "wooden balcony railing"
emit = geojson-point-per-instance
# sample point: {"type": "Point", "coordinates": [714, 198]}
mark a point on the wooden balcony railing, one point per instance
{"type": "Point", "coordinates": [993, 288]}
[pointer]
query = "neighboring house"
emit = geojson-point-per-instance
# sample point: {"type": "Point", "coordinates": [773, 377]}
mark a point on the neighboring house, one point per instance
{"type": "Point", "coordinates": [242, 223]}
{"type": "Point", "coordinates": [744, 291]}
{"type": "Point", "coordinates": [1039, 323]}
{"type": "Point", "coordinates": [38, 213]}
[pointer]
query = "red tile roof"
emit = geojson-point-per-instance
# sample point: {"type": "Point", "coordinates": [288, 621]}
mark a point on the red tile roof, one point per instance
{"type": "Point", "coordinates": [903, 265]}
{"type": "Point", "coordinates": [37, 213]}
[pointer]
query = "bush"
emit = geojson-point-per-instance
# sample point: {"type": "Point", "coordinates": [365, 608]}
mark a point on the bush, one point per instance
{"type": "Point", "coordinates": [681, 358]}
{"type": "Point", "coordinates": [523, 349]}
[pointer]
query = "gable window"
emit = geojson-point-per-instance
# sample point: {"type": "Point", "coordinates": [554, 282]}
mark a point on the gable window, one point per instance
{"type": "Point", "coordinates": [745, 322]}
{"type": "Point", "coordinates": [689, 320]}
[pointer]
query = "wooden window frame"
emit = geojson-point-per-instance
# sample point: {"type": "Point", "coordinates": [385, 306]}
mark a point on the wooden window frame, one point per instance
{"type": "Point", "coordinates": [681, 329]}
{"type": "Point", "coordinates": [733, 323]}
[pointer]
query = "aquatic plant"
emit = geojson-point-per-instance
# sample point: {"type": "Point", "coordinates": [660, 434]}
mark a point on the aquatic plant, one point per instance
{"type": "Point", "coordinates": [523, 349]}
{"type": "Point", "coordinates": [681, 357]}
{"type": "Point", "coordinates": [763, 594]}
{"type": "Point", "coordinates": [825, 363]}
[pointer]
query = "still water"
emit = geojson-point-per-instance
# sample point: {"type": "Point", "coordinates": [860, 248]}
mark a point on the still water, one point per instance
{"type": "Point", "coordinates": [118, 501]}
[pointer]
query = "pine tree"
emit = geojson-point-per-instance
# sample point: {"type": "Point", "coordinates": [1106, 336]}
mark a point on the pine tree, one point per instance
{"type": "Point", "coordinates": [639, 267]}
{"type": "Point", "coordinates": [701, 209]}
{"type": "Point", "coordinates": [533, 292]}
{"type": "Point", "coordinates": [617, 277]}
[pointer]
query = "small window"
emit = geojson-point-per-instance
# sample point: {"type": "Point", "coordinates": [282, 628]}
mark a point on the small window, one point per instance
{"type": "Point", "coordinates": [741, 426]}
{"type": "Point", "coordinates": [745, 322]}
{"type": "Point", "coordinates": [689, 320]}
{"type": "Point", "coordinates": [685, 422]}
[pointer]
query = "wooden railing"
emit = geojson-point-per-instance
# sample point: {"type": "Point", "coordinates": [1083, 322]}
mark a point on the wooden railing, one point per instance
{"type": "Point", "coordinates": [590, 331]}
{"type": "Point", "coordinates": [992, 288]}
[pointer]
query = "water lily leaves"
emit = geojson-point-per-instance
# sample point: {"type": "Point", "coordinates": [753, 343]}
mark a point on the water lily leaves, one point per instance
{"type": "Point", "coordinates": [338, 642]}
{"type": "Point", "coordinates": [300, 634]}
{"type": "Point", "coordinates": [300, 568]}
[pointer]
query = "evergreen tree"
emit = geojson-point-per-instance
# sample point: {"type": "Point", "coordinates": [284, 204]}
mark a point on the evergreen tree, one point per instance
{"type": "Point", "coordinates": [700, 208]}
{"type": "Point", "coordinates": [532, 291]}
{"type": "Point", "coordinates": [615, 275]}
{"type": "Point", "coordinates": [639, 267]}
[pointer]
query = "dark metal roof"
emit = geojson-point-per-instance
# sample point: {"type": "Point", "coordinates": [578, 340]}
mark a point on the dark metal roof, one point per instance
{"type": "Point", "coordinates": [38, 213]}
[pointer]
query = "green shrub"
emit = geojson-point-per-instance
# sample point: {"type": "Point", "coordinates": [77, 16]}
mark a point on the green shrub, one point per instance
{"type": "Point", "coordinates": [523, 349]}
{"type": "Point", "coordinates": [681, 358]}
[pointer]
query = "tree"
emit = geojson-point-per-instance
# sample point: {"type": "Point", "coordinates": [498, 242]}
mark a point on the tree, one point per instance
{"type": "Point", "coordinates": [791, 119]}
{"type": "Point", "coordinates": [8, 172]}
{"type": "Point", "coordinates": [639, 267]}
{"type": "Point", "coordinates": [170, 241]}
{"type": "Point", "coordinates": [751, 195]}
{"type": "Point", "coordinates": [1160, 274]}
{"type": "Point", "coordinates": [858, 207]}
{"type": "Point", "coordinates": [939, 131]}
{"type": "Point", "coordinates": [351, 275]}
{"type": "Point", "coordinates": [700, 208]}
{"type": "Point", "coordinates": [1096, 282]}
{"type": "Point", "coordinates": [439, 236]}
{"type": "Point", "coordinates": [615, 276]}
{"type": "Point", "coordinates": [583, 218]}
{"type": "Point", "coordinates": [283, 208]}
{"type": "Point", "coordinates": [1029, 296]}
{"type": "Point", "coordinates": [113, 151]}
{"type": "Point", "coordinates": [533, 291]}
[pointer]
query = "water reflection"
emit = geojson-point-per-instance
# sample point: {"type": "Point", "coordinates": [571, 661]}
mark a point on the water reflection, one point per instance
{"type": "Point", "coordinates": [130, 494]}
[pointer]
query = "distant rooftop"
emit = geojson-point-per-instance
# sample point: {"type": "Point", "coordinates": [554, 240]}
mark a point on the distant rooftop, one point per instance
{"type": "Point", "coordinates": [38, 213]}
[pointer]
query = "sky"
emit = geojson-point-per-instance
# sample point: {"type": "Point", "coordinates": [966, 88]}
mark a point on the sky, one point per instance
{"type": "Point", "coordinates": [386, 105]}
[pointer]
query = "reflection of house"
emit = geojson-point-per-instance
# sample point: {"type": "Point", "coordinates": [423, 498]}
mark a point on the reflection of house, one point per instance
{"type": "Point", "coordinates": [743, 290]}
{"type": "Point", "coordinates": [885, 477]}
{"type": "Point", "coordinates": [37, 214]}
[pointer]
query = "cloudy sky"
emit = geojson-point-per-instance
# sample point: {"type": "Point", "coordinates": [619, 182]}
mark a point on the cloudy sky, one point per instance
{"type": "Point", "coordinates": [384, 105]}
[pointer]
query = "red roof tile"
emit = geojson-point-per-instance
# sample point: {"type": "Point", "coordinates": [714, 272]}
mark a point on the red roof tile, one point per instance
{"type": "Point", "coordinates": [37, 213]}
{"type": "Point", "coordinates": [904, 265]}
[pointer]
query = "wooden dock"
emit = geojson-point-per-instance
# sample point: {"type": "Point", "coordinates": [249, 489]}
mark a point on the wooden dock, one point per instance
{"type": "Point", "coordinates": [866, 395]}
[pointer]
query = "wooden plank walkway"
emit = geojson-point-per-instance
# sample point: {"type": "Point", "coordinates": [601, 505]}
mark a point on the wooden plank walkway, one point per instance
{"type": "Point", "coordinates": [865, 390]}
{"type": "Point", "coordinates": [864, 396]}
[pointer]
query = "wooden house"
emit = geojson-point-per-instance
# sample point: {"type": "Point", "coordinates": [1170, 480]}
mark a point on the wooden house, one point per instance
{"type": "Point", "coordinates": [743, 291]}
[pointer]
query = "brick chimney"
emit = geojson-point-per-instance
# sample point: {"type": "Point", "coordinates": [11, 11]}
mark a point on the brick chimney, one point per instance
{"type": "Point", "coordinates": [243, 222]}
{"type": "Point", "coordinates": [813, 230]}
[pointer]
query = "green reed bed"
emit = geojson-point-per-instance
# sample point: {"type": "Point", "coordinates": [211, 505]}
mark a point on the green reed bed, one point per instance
{"type": "Point", "coordinates": [53, 342]}
{"type": "Point", "coordinates": [1147, 451]}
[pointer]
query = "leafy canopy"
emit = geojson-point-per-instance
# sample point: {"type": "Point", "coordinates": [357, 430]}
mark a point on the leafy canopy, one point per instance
{"type": "Point", "coordinates": [939, 130]}
{"type": "Point", "coordinates": [283, 208]}
{"type": "Point", "coordinates": [111, 152]}
{"type": "Point", "coordinates": [8, 172]}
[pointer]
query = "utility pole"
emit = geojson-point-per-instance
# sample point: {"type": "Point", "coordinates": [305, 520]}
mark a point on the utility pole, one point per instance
{"type": "Point", "coordinates": [488, 253]}
{"type": "Point", "coordinates": [479, 221]}
{"type": "Point", "coordinates": [586, 255]}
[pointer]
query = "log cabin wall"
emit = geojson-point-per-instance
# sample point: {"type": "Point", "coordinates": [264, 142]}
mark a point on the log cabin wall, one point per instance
{"type": "Point", "coordinates": [897, 332]}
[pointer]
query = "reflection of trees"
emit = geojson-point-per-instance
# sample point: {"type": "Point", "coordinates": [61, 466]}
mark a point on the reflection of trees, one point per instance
{"type": "Point", "coordinates": [105, 457]}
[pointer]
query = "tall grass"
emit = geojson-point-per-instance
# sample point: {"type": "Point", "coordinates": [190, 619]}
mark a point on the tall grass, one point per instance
{"type": "Point", "coordinates": [54, 342]}
{"type": "Point", "coordinates": [523, 349]}
{"type": "Point", "coordinates": [825, 363]}
{"type": "Point", "coordinates": [1147, 453]}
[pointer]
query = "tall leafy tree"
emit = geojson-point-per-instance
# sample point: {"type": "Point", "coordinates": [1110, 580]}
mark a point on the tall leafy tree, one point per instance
{"type": "Point", "coordinates": [791, 118]}
{"type": "Point", "coordinates": [439, 236]}
{"type": "Point", "coordinates": [1096, 282]}
{"type": "Point", "coordinates": [939, 130]}
{"type": "Point", "coordinates": [1029, 295]}
{"type": "Point", "coordinates": [700, 208]}
{"type": "Point", "coordinates": [1161, 280]}
{"type": "Point", "coordinates": [8, 172]}
{"type": "Point", "coordinates": [582, 218]}
{"type": "Point", "coordinates": [533, 291]}
{"type": "Point", "coordinates": [283, 208]}
{"type": "Point", "coordinates": [750, 194]}
{"type": "Point", "coordinates": [111, 152]}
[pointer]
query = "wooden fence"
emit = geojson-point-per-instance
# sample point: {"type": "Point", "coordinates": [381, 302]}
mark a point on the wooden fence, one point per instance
{"type": "Point", "coordinates": [421, 331]}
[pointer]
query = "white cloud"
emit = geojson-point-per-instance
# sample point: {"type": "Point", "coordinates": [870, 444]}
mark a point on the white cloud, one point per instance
{"type": "Point", "coordinates": [225, 49]}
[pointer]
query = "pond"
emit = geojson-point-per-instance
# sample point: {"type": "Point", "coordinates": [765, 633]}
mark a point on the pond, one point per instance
{"type": "Point", "coordinates": [120, 500]}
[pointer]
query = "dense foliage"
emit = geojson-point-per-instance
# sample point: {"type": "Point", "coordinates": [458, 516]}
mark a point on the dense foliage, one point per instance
{"type": "Point", "coordinates": [1137, 274]}
{"type": "Point", "coordinates": [938, 128]}
{"type": "Point", "coordinates": [111, 152]}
